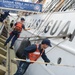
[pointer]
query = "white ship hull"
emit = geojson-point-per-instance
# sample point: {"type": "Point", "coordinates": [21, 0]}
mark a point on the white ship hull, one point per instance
{"type": "Point", "coordinates": [62, 52]}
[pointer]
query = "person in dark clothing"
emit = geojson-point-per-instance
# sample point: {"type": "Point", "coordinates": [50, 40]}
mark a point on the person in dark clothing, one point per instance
{"type": "Point", "coordinates": [39, 1]}
{"type": "Point", "coordinates": [17, 28]}
{"type": "Point", "coordinates": [12, 23]}
{"type": "Point", "coordinates": [32, 53]}
{"type": "Point", "coordinates": [3, 16]}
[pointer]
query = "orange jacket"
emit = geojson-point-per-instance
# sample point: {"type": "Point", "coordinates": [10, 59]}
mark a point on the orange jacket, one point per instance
{"type": "Point", "coordinates": [18, 27]}
{"type": "Point", "coordinates": [35, 55]}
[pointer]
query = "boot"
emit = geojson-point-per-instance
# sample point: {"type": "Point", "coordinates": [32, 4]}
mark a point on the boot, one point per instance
{"type": "Point", "coordinates": [5, 44]}
{"type": "Point", "coordinates": [11, 47]}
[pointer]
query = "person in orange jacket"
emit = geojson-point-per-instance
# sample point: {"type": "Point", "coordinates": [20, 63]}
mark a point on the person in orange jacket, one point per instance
{"type": "Point", "coordinates": [32, 53]}
{"type": "Point", "coordinates": [17, 28]}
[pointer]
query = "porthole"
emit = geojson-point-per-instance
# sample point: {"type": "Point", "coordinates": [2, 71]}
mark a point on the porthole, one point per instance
{"type": "Point", "coordinates": [59, 60]}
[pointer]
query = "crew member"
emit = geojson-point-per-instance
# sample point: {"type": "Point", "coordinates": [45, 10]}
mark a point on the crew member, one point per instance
{"type": "Point", "coordinates": [17, 28]}
{"type": "Point", "coordinates": [32, 53]}
{"type": "Point", "coordinates": [3, 16]}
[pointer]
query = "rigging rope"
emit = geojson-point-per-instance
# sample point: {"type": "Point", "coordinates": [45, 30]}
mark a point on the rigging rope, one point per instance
{"type": "Point", "coordinates": [59, 64]}
{"type": "Point", "coordinates": [56, 45]}
{"type": "Point", "coordinates": [51, 63]}
{"type": "Point", "coordinates": [40, 62]}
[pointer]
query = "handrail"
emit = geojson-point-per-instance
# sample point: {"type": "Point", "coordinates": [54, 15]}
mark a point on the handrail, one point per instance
{"type": "Point", "coordinates": [66, 5]}
{"type": "Point", "coordinates": [58, 5]}
{"type": "Point", "coordinates": [54, 5]}
{"type": "Point", "coordinates": [1, 27]}
{"type": "Point", "coordinates": [43, 1]}
{"type": "Point", "coordinates": [50, 6]}
{"type": "Point", "coordinates": [47, 6]}
{"type": "Point", "coordinates": [40, 62]}
{"type": "Point", "coordinates": [43, 37]}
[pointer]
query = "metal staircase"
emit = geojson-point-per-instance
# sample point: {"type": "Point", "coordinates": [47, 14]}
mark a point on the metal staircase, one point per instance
{"type": "Point", "coordinates": [4, 60]}
{"type": "Point", "coordinates": [3, 57]}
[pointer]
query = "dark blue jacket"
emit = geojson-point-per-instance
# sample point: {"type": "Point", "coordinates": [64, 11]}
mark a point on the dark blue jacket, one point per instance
{"type": "Point", "coordinates": [33, 48]}
{"type": "Point", "coordinates": [3, 16]}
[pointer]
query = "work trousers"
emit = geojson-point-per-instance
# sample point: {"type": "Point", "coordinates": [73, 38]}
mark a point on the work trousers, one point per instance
{"type": "Point", "coordinates": [1, 19]}
{"type": "Point", "coordinates": [22, 68]}
{"type": "Point", "coordinates": [14, 35]}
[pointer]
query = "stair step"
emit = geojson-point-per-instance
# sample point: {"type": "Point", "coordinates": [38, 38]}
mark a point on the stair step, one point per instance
{"type": "Point", "coordinates": [2, 70]}
{"type": "Point", "coordinates": [2, 40]}
{"type": "Point", "coordinates": [3, 37]}
{"type": "Point", "coordinates": [2, 57]}
{"type": "Point", "coordinates": [3, 51]}
{"type": "Point", "coordinates": [1, 44]}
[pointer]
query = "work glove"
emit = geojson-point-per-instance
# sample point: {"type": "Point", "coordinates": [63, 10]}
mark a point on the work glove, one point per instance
{"type": "Point", "coordinates": [47, 62]}
{"type": "Point", "coordinates": [27, 60]}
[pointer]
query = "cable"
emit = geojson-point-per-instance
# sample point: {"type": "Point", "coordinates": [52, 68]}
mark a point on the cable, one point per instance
{"type": "Point", "coordinates": [56, 45]}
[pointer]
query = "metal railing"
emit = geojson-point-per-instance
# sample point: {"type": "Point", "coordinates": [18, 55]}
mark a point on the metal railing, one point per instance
{"type": "Point", "coordinates": [66, 5]}
{"type": "Point", "coordinates": [1, 27]}
{"type": "Point", "coordinates": [51, 5]}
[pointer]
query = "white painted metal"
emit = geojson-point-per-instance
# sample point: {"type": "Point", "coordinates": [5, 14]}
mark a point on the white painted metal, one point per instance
{"type": "Point", "coordinates": [65, 50]}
